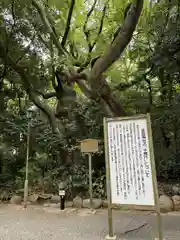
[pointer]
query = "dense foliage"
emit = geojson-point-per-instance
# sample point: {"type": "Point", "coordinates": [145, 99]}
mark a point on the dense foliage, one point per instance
{"type": "Point", "coordinates": [137, 72]}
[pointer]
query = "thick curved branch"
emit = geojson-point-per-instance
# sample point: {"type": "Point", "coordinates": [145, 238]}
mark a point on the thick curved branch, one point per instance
{"type": "Point", "coordinates": [68, 24]}
{"type": "Point", "coordinates": [73, 76]}
{"type": "Point", "coordinates": [120, 43]}
{"type": "Point", "coordinates": [80, 79]}
{"type": "Point", "coordinates": [84, 88]}
{"type": "Point", "coordinates": [100, 90]}
{"type": "Point", "coordinates": [33, 95]}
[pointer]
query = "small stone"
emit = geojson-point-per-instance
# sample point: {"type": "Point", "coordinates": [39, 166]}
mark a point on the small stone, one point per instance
{"type": "Point", "coordinates": [97, 203]}
{"type": "Point", "coordinates": [4, 196]}
{"type": "Point", "coordinates": [16, 200]}
{"type": "Point", "coordinates": [33, 198]}
{"type": "Point", "coordinates": [166, 204]}
{"type": "Point", "coordinates": [77, 202]}
{"type": "Point", "coordinates": [176, 198]}
{"type": "Point", "coordinates": [176, 201]}
{"type": "Point", "coordinates": [176, 189]}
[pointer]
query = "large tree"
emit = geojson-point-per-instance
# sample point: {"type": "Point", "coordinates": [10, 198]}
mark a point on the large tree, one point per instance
{"type": "Point", "coordinates": [64, 40]}
{"type": "Point", "coordinates": [42, 42]}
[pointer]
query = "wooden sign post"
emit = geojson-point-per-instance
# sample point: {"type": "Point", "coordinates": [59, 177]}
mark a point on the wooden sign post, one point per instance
{"type": "Point", "coordinates": [90, 146]}
{"type": "Point", "coordinates": [130, 166]}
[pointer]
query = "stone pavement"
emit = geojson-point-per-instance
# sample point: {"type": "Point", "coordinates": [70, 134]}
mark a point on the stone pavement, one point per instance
{"type": "Point", "coordinates": [37, 223]}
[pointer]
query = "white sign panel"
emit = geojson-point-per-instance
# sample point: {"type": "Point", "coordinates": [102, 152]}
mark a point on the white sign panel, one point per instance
{"type": "Point", "coordinates": [129, 161]}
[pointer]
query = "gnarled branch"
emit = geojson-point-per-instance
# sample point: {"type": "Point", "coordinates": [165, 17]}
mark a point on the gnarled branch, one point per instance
{"type": "Point", "coordinates": [124, 37]}
{"type": "Point", "coordinates": [33, 95]}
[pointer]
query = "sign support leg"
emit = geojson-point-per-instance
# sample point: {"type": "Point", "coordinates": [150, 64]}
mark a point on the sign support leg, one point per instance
{"type": "Point", "coordinates": [156, 194]}
{"type": "Point", "coordinates": [159, 222]}
{"type": "Point", "coordinates": [90, 180]}
{"type": "Point", "coordinates": [110, 235]}
{"type": "Point", "coordinates": [110, 217]}
{"type": "Point", "coordinates": [158, 212]}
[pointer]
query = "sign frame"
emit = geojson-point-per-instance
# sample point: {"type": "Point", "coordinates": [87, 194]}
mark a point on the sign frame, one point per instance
{"type": "Point", "coordinates": [153, 169]}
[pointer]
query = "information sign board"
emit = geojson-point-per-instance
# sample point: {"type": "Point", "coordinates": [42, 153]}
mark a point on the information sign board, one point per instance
{"type": "Point", "coordinates": [89, 145]}
{"type": "Point", "coordinates": [130, 163]}
{"type": "Point", "coordinates": [130, 166]}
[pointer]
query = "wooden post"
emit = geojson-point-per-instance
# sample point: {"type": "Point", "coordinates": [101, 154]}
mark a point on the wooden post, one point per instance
{"type": "Point", "coordinates": [108, 183]}
{"type": "Point", "coordinates": [156, 194]}
{"type": "Point", "coordinates": [27, 168]}
{"type": "Point", "coordinates": [90, 180]}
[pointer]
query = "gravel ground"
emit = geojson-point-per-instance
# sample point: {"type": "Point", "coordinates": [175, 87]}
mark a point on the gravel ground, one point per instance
{"type": "Point", "coordinates": [47, 223]}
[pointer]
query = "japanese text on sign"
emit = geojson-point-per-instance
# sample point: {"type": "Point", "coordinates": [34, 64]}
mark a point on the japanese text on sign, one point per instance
{"type": "Point", "coordinates": [129, 161]}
